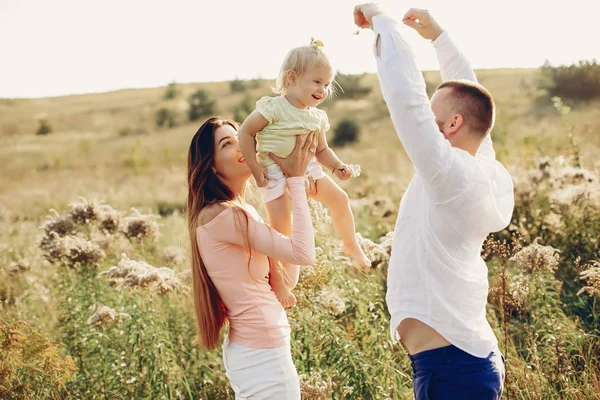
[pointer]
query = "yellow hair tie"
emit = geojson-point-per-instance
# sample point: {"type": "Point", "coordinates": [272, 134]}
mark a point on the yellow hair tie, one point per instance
{"type": "Point", "coordinates": [317, 44]}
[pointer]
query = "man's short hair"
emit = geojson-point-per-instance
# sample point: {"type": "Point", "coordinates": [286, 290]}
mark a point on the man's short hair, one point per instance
{"type": "Point", "coordinates": [474, 103]}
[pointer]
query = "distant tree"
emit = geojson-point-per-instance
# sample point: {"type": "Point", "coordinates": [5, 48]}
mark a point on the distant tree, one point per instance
{"type": "Point", "coordinates": [201, 104]}
{"type": "Point", "coordinates": [244, 109]}
{"type": "Point", "coordinates": [44, 128]}
{"type": "Point", "coordinates": [165, 117]}
{"type": "Point", "coordinates": [256, 83]}
{"type": "Point", "coordinates": [171, 92]}
{"type": "Point", "coordinates": [346, 131]}
{"type": "Point", "coordinates": [238, 85]}
{"type": "Point", "coordinates": [350, 86]}
{"type": "Point", "coordinates": [430, 86]}
{"type": "Point", "coordinates": [576, 82]}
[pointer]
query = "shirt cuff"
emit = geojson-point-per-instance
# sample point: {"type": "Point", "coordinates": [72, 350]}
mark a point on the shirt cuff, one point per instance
{"type": "Point", "coordinates": [441, 40]}
{"type": "Point", "coordinates": [382, 24]}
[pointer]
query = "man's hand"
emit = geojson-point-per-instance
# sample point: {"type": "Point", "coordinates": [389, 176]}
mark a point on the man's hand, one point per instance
{"type": "Point", "coordinates": [364, 13]}
{"type": "Point", "coordinates": [422, 22]}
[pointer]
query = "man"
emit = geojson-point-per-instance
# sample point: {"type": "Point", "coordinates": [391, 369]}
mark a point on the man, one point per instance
{"type": "Point", "coordinates": [437, 281]}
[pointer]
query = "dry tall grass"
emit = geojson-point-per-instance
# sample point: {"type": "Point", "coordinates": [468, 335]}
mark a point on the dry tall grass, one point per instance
{"type": "Point", "coordinates": [111, 326]}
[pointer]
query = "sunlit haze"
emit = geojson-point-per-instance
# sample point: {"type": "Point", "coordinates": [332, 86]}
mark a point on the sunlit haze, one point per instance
{"type": "Point", "coordinates": [60, 47]}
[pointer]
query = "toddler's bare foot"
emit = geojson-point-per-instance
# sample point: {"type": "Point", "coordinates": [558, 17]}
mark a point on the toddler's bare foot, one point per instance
{"type": "Point", "coordinates": [284, 295]}
{"type": "Point", "coordinates": [354, 251]}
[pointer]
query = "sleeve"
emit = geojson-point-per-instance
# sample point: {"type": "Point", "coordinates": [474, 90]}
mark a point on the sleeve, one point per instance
{"type": "Point", "coordinates": [324, 122]}
{"type": "Point", "coordinates": [454, 65]}
{"type": "Point", "coordinates": [297, 249]}
{"type": "Point", "coordinates": [267, 107]}
{"type": "Point", "coordinates": [403, 88]}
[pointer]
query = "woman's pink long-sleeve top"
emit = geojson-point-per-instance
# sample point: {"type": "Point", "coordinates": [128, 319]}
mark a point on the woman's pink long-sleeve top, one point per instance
{"type": "Point", "coordinates": [256, 317]}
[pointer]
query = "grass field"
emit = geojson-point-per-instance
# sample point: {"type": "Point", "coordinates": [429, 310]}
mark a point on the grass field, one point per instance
{"type": "Point", "coordinates": [105, 156]}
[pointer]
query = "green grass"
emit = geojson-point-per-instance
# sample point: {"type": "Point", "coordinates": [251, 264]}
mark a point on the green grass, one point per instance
{"type": "Point", "coordinates": [105, 146]}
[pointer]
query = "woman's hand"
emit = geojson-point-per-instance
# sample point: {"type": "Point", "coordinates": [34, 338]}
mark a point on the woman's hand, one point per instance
{"type": "Point", "coordinates": [295, 164]}
{"type": "Point", "coordinates": [260, 175]}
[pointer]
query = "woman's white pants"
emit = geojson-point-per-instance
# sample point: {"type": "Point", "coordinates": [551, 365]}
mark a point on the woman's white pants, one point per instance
{"type": "Point", "coordinates": [261, 374]}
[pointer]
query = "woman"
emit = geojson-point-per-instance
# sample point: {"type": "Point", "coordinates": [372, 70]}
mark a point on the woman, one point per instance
{"type": "Point", "coordinates": [231, 253]}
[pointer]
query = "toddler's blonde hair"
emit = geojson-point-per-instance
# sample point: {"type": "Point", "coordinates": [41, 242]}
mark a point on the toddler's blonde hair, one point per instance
{"type": "Point", "coordinates": [300, 60]}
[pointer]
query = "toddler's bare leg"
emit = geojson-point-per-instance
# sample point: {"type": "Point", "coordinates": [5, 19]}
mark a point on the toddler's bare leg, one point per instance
{"type": "Point", "coordinates": [334, 198]}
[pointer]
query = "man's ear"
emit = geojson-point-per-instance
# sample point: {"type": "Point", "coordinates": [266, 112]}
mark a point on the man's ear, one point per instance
{"type": "Point", "coordinates": [456, 123]}
{"type": "Point", "coordinates": [291, 77]}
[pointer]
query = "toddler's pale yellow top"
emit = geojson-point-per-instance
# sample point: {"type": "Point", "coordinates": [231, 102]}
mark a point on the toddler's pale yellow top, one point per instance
{"type": "Point", "coordinates": [285, 122]}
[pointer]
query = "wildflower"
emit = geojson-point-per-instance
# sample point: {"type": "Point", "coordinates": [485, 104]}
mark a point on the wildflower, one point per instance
{"type": "Point", "coordinates": [354, 170]}
{"type": "Point", "coordinates": [510, 294]}
{"type": "Point", "coordinates": [573, 175]}
{"type": "Point", "coordinates": [376, 253]}
{"type": "Point", "coordinates": [173, 255]}
{"type": "Point", "coordinates": [139, 226]}
{"type": "Point", "coordinates": [315, 387]}
{"type": "Point", "coordinates": [331, 300]}
{"type": "Point", "coordinates": [83, 211]}
{"type": "Point", "coordinates": [386, 242]}
{"type": "Point", "coordinates": [592, 278]}
{"type": "Point", "coordinates": [535, 258]}
{"type": "Point", "coordinates": [131, 274]}
{"type": "Point", "coordinates": [70, 250]}
{"type": "Point", "coordinates": [105, 316]}
{"type": "Point", "coordinates": [60, 225]}
{"type": "Point", "coordinates": [554, 221]}
{"type": "Point", "coordinates": [570, 194]}
{"type": "Point", "coordinates": [110, 219]}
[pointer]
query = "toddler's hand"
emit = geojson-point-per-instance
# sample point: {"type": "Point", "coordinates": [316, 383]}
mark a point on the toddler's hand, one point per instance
{"type": "Point", "coordinates": [260, 175]}
{"type": "Point", "coordinates": [342, 172]}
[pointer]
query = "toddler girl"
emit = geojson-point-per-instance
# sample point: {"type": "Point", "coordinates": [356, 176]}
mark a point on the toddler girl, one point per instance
{"type": "Point", "coordinates": [304, 81]}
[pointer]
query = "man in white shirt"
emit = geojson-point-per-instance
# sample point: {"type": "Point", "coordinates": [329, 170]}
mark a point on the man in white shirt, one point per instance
{"type": "Point", "coordinates": [437, 280]}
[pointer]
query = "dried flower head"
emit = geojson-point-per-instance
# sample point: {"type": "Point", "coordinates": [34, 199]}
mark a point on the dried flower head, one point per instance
{"type": "Point", "coordinates": [140, 226]}
{"type": "Point", "coordinates": [554, 221]}
{"type": "Point", "coordinates": [320, 217]}
{"type": "Point", "coordinates": [71, 251]}
{"type": "Point", "coordinates": [139, 274]}
{"type": "Point", "coordinates": [84, 211]}
{"type": "Point", "coordinates": [536, 258]}
{"type": "Point", "coordinates": [105, 316]}
{"type": "Point", "coordinates": [571, 194]}
{"type": "Point", "coordinates": [509, 293]}
{"type": "Point", "coordinates": [376, 253]}
{"type": "Point", "coordinates": [354, 170]}
{"type": "Point", "coordinates": [110, 220]}
{"type": "Point", "coordinates": [315, 387]}
{"type": "Point", "coordinates": [592, 278]}
{"type": "Point", "coordinates": [174, 255]}
{"type": "Point", "coordinates": [60, 225]}
{"type": "Point", "coordinates": [331, 300]}
{"type": "Point", "coordinates": [386, 241]}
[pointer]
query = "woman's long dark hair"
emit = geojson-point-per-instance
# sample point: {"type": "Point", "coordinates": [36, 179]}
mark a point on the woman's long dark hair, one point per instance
{"type": "Point", "coordinates": [205, 188]}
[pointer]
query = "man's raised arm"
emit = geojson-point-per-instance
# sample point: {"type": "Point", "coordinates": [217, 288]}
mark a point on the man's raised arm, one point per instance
{"type": "Point", "coordinates": [403, 89]}
{"type": "Point", "coordinates": [453, 64]}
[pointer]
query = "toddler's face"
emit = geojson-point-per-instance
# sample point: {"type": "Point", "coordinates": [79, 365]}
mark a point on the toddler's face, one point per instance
{"type": "Point", "coordinates": [313, 86]}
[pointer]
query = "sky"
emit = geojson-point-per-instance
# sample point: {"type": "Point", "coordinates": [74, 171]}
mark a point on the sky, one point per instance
{"type": "Point", "coordinates": [61, 47]}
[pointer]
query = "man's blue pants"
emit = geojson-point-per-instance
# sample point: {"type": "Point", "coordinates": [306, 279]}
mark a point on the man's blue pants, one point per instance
{"type": "Point", "coordinates": [449, 373]}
